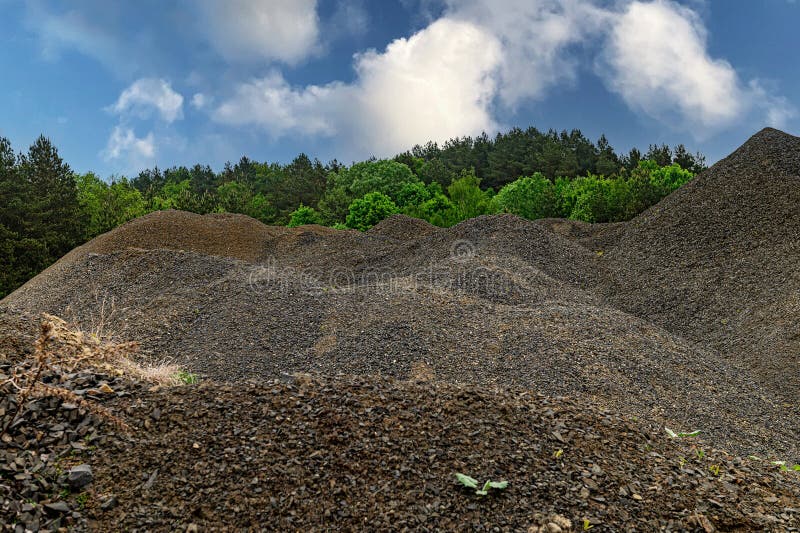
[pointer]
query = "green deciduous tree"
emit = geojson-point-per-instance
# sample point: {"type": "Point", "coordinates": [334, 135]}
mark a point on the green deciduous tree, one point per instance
{"type": "Point", "coordinates": [304, 215]}
{"type": "Point", "coordinates": [530, 197]}
{"type": "Point", "coordinates": [367, 211]}
{"type": "Point", "coordinates": [107, 206]}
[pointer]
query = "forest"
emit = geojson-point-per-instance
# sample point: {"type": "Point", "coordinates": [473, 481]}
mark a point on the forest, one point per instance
{"type": "Point", "coordinates": [46, 209]}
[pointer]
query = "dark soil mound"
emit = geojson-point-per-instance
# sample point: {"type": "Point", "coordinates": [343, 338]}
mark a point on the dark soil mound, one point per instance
{"type": "Point", "coordinates": [717, 261]}
{"type": "Point", "coordinates": [309, 454]}
{"type": "Point", "coordinates": [685, 316]}
{"type": "Point", "coordinates": [404, 228]}
{"type": "Point", "coordinates": [465, 320]}
{"type": "Point", "coordinates": [356, 453]}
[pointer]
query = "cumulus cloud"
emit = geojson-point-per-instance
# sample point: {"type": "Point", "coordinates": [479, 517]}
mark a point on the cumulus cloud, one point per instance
{"type": "Point", "coordinates": [537, 37]}
{"type": "Point", "coordinates": [124, 144]}
{"type": "Point", "coordinates": [273, 104]}
{"type": "Point", "coordinates": [435, 85]}
{"type": "Point", "coordinates": [480, 57]}
{"type": "Point", "coordinates": [147, 95]}
{"type": "Point", "coordinates": [659, 64]}
{"type": "Point", "coordinates": [244, 30]}
{"type": "Point", "coordinates": [200, 100]}
{"type": "Point", "coordinates": [656, 58]}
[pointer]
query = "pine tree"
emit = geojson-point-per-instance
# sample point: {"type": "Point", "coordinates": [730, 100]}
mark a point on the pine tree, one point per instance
{"type": "Point", "coordinates": [54, 213]}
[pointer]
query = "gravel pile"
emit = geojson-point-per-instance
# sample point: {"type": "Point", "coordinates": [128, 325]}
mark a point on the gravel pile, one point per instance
{"type": "Point", "coordinates": [717, 261]}
{"type": "Point", "coordinates": [352, 453]}
{"type": "Point", "coordinates": [684, 317]}
{"type": "Point", "coordinates": [46, 475]}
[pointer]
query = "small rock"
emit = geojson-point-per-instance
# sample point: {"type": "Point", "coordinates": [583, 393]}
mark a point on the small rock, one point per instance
{"type": "Point", "coordinates": [150, 480]}
{"type": "Point", "coordinates": [57, 507]}
{"type": "Point", "coordinates": [108, 504]}
{"type": "Point", "coordinates": [637, 497]}
{"type": "Point", "coordinates": [80, 476]}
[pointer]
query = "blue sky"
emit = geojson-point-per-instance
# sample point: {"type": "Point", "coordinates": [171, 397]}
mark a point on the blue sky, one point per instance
{"type": "Point", "coordinates": [122, 86]}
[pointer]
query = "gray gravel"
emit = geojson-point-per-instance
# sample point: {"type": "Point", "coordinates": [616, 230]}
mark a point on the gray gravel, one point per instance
{"type": "Point", "coordinates": [687, 318]}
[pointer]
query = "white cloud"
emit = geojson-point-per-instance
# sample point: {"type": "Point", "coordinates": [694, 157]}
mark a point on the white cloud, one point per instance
{"type": "Point", "coordinates": [659, 64]}
{"type": "Point", "coordinates": [777, 109]}
{"type": "Point", "coordinates": [79, 29]}
{"type": "Point", "coordinates": [483, 56]}
{"type": "Point", "coordinates": [148, 94]}
{"type": "Point", "coordinates": [273, 104]}
{"type": "Point", "coordinates": [244, 30]}
{"type": "Point", "coordinates": [536, 36]}
{"type": "Point", "coordinates": [435, 85]}
{"type": "Point", "coordinates": [123, 143]}
{"type": "Point", "coordinates": [349, 19]}
{"type": "Point", "coordinates": [656, 58]}
{"type": "Point", "coordinates": [200, 100]}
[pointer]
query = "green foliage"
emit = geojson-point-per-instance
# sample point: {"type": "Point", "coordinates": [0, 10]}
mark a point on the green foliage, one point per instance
{"type": "Point", "coordinates": [472, 483]}
{"type": "Point", "coordinates": [681, 434]}
{"type": "Point", "coordinates": [186, 377]}
{"type": "Point", "coordinates": [304, 215]}
{"type": "Point", "coordinates": [367, 211]}
{"type": "Point", "coordinates": [384, 176]}
{"type": "Point", "coordinates": [668, 178]}
{"type": "Point", "coordinates": [467, 200]}
{"type": "Point", "coordinates": [45, 210]}
{"type": "Point", "coordinates": [107, 206]}
{"type": "Point", "coordinates": [413, 193]}
{"type": "Point", "coordinates": [40, 214]}
{"type": "Point", "coordinates": [530, 197]}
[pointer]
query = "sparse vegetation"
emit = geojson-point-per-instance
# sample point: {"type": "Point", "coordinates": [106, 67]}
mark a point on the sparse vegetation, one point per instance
{"type": "Point", "coordinates": [187, 378]}
{"type": "Point", "coordinates": [681, 435]}
{"type": "Point", "coordinates": [62, 347]}
{"type": "Point", "coordinates": [472, 483]}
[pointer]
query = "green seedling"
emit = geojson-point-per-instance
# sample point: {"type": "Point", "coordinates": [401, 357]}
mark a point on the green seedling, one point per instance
{"type": "Point", "coordinates": [558, 453]}
{"type": "Point", "coordinates": [187, 378]}
{"type": "Point", "coordinates": [714, 469]}
{"type": "Point", "coordinates": [472, 483]}
{"type": "Point", "coordinates": [700, 453]}
{"type": "Point", "coordinates": [784, 467]}
{"type": "Point", "coordinates": [681, 435]}
{"type": "Point", "coordinates": [587, 525]}
{"type": "Point", "coordinates": [82, 499]}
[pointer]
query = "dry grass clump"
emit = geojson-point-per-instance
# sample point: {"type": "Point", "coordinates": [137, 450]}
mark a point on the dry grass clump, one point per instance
{"type": "Point", "coordinates": [63, 348]}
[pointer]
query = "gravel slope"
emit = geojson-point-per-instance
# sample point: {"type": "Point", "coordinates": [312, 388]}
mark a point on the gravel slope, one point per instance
{"type": "Point", "coordinates": [717, 261]}
{"type": "Point", "coordinates": [688, 318]}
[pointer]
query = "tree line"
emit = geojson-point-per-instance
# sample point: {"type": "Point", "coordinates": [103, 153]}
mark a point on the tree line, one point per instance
{"type": "Point", "coordinates": [46, 209]}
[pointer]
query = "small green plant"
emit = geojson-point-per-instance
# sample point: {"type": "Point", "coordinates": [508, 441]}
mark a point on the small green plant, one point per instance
{"type": "Point", "coordinates": [714, 469]}
{"type": "Point", "coordinates": [700, 453]}
{"type": "Point", "coordinates": [187, 378]}
{"type": "Point", "coordinates": [785, 467]}
{"type": "Point", "coordinates": [682, 461]}
{"type": "Point", "coordinates": [82, 499]}
{"type": "Point", "coordinates": [558, 453]}
{"type": "Point", "coordinates": [472, 483]}
{"type": "Point", "coordinates": [680, 435]}
{"type": "Point", "coordinates": [587, 525]}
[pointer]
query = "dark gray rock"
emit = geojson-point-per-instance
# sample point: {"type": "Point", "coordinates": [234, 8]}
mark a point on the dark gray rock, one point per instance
{"type": "Point", "coordinates": [80, 476]}
{"type": "Point", "coordinates": [57, 507]}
